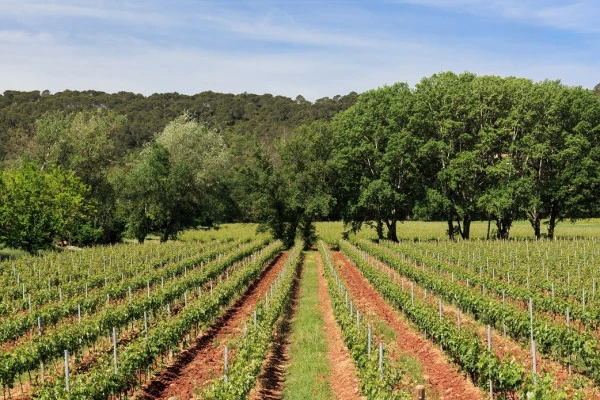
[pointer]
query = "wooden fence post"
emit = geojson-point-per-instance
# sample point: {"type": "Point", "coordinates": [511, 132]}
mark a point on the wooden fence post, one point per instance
{"type": "Point", "coordinates": [420, 392]}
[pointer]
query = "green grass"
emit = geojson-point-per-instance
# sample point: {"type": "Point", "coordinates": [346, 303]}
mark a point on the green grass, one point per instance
{"type": "Point", "coordinates": [308, 374]}
{"type": "Point", "coordinates": [9, 253]}
{"type": "Point", "coordinates": [410, 230]}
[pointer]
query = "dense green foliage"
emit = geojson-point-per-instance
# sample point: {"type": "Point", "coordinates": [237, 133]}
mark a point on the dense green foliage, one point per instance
{"type": "Point", "coordinates": [492, 148]}
{"type": "Point", "coordinates": [37, 205]}
{"type": "Point", "coordinates": [456, 148]}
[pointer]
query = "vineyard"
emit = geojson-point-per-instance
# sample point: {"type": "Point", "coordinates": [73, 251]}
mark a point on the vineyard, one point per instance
{"type": "Point", "coordinates": [235, 315]}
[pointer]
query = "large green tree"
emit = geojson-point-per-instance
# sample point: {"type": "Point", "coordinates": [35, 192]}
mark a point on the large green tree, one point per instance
{"type": "Point", "coordinates": [84, 143]}
{"type": "Point", "coordinates": [287, 191]}
{"type": "Point", "coordinates": [174, 182]}
{"type": "Point", "coordinates": [378, 159]}
{"type": "Point", "coordinates": [40, 207]}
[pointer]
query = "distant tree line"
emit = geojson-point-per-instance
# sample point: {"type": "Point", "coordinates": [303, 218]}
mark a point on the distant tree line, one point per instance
{"type": "Point", "coordinates": [89, 167]}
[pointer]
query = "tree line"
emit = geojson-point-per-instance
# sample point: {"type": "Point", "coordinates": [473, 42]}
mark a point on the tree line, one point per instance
{"type": "Point", "coordinates": [90, 167]}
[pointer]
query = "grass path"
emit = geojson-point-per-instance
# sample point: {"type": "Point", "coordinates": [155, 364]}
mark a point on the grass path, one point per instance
{"type": "Point", "coordinates": [307, 376]}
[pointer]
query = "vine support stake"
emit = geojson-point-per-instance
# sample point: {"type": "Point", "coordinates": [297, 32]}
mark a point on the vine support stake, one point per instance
{"type": "Point", "coordinates": [490, 354]}
{"type": "Point", "coordinates": [226, 377]}
{"type": "Point", "coordinates": [369, 339]}
{"type": "Point", "coordinates": [420, 392]}
{"type": "Point", "coordinates": [67, 371]}
{"type": "Point", "coordinates": [146, 324]}
{"type": "Point", "coordinates": [381, 360]}
{"type": "Point", "coordinates": [115, 348]}
{"type": "Point", "coordinates": [569, 356]}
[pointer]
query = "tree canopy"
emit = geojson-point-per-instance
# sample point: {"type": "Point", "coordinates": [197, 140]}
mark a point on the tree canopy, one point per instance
{"type": "Point", "coordinates": [455, 147]}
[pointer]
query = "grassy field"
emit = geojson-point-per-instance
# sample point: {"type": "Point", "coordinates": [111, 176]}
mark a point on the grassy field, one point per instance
{"type": "Point", "coordinates": [411, 230]}
{"type": "Point", "coordinates": [307, 375]}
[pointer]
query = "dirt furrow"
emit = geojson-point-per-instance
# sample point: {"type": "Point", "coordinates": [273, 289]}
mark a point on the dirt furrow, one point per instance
{"type": "Point", "coordinates": [270, 382]}
{"type": "Point", "coordinates": [203, 361]}
{"type": "Point", "coordinates": [343, 381]}
{"type": "Point", "coordinates": [444, 377]}
{"type": "Point", "coordinates": [502, 346]}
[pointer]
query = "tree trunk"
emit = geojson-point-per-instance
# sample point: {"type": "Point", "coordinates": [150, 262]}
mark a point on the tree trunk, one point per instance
{"type": "Point", "coordinates": [379, 229]}
{"type": "Point", "coordinates": [553, 220]}
{"type": "Point", "coordinates": [466, 229]}
{"type": "Point", "coordinates": [489, 227]}
{"type": "Point", "coordinates": [534, 220]}
{"type": "Point", "coordinates": [392, 235]}
{"type": "Point", "coordinates": [450, 227]}
{"type": "Point", "coordinates": [503, 226]}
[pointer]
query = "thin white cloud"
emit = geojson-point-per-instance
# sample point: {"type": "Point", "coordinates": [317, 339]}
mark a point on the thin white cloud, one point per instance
{"type": "Point", "coordinates": [148, 68]}
{"type": "Point", "coordinates": [577, 16]}
{"type": "Point", "coordinates": [108, 11]}
{"type": "Point", "coordinates": [24, 37]}
{"type": "Point", "coordinates": [317, 61]}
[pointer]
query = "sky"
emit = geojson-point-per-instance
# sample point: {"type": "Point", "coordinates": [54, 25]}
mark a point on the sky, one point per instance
{"type": "Point", "coordinates": [290, 47]}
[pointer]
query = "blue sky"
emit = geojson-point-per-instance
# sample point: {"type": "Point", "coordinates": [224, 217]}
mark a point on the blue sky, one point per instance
{"type": "Point", "coordinates": [290, 47]}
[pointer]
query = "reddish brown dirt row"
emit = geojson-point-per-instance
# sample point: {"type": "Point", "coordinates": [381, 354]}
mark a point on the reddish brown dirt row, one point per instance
{"type": "Point", "coordinates": [502, 346]}
{"type": "Point", "coordinates": [203, 361]}
{"type": "Point", "coordinates": [271, 380]}
{"type": "Point", "coordinates": [444, 377]}
{"type": "Point", "coordinates": [343, 382]}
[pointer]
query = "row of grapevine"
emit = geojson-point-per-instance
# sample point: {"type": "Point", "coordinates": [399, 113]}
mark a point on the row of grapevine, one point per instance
{"type": "Point", "coordinates": [555, 340]}
{"type": "Point", "coordinates": [51, 313]}
{"type": "Point", "coordinates": [461, 345]}
{"type": "Point", "coordinates": [254, 345]}
{"type": "Point", "coordinates": [31, 353]}
{"type": "Point", "coordinates": [169, 334]}
{"type": "Point", "coordinates": [550, 301]}
{"type": "Point", "coordinates": [374, 383]}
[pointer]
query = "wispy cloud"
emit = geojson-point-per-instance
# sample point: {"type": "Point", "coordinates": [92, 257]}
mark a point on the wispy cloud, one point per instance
{"type": "Point", "coordinates": [108, 11]}
{"type": "Point", "coordinates": [577, 16]}
{"type": "Point", "coordinates": [281, 47]}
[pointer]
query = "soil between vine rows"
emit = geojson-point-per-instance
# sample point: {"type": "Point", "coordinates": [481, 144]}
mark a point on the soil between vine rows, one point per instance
{"type": "Point", "coordinates": [502, 346]}
{"type": "Point", "coordinates": [270, 382]}
{"type": "Point", "coordinates": [343, 382]}
{"type": "Point", "coordinates": [444, 378]}
{"type": "Point", "coordinates": [203, 361]}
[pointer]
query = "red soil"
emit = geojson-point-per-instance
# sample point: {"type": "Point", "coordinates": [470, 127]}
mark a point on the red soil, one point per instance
{"type": "Point", "coordinates": [343, 382]}
{"type": "Point", "coordinates": [444, 377]}
{"type": "Point", "coordinates": [502, 346]}
{"type": "Point", "coordinates": [203, 361]}
{"type": "Point", "coordinates": [270, 383]}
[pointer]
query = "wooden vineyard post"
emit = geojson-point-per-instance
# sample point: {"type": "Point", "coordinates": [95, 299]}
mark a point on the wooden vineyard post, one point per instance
{"type": "Point", "coordinates": [420, 392]}
{"type": "Point", "coordinates": [440, 306]}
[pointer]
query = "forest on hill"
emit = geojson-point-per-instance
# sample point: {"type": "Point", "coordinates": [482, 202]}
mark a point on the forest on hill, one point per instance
{"type": "Point", "coordinates": [90, 167]}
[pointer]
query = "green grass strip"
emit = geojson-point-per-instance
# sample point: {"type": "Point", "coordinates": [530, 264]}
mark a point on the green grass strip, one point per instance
{"type": "Point", "coordinates": [308, 373]}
